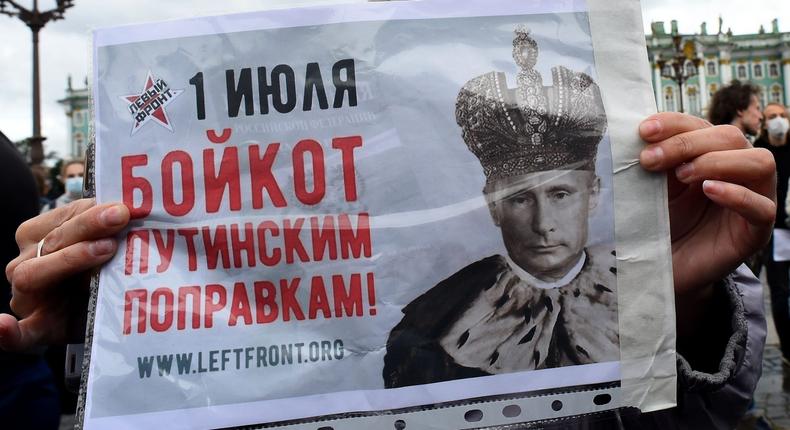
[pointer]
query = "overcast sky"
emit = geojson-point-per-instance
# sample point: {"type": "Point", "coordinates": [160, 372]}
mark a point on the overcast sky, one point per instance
{"type": "Point", "coordinates": [65, 45]}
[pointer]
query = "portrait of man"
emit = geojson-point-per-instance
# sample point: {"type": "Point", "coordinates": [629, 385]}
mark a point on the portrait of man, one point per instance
{"type": "Point", "coordinates": [551, 301]}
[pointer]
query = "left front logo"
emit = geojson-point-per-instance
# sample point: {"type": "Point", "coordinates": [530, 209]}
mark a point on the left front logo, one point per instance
{"type": "Point", "coordinates": [150, 104]}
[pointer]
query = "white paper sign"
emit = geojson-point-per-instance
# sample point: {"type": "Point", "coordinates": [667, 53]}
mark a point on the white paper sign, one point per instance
{"type": "Point", "coordinates": [356, 209]}
{"type": "Point", "coordinates": [781, 241]}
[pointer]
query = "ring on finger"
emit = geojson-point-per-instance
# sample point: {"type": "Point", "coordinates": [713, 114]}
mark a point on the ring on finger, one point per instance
{"type": "Point", "coordinates": [39, 248]}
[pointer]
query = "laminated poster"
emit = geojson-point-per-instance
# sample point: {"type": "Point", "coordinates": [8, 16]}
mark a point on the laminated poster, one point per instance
{"type": "Point", "coordinates": [400, 215]}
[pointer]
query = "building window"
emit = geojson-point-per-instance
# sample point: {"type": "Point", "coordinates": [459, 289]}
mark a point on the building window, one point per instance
{"type": "Point", "coordinates": [711, 68]}
{"type": "Point", "coordinates": [693, 100]}
{"type": "Point", "coordinates": [79, 144]}
{"type": "Point", "coordinates": [758, 71]}
{"type": "Point", "coordinates": [78, 118]}
{"type": "Point", "coordinates": [776, 94]}
{"type": "Point", "coordinates": [690, 69]}
{"type": "Point", "coordinates": [667, 71]}
{"type": "Point", "coordinates": [741, 72]}
{"type": "Point", "coordinates": [773, 70]}
{"type": "Point", "coordinates": [669, 99]}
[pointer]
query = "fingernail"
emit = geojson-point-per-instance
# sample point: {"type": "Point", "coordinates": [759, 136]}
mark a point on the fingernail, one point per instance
{"type": "Point", "coordinates": [649, 128]}
{"type": "Point", "coordinates": [112, 215]}
{"type": "Point", "coordinates": [711, 187]}
{"type": "Point", "coordinates": [684, 171]}
{"type": "Point", "coordinates": [652, 156]}
{"type": "Point", "coordinates": [102, 247]}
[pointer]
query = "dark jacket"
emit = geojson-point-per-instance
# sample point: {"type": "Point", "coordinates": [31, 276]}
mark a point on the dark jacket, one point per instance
{"type": "Point", "coordinates": [27, 394]}
{"type": "Point", "coordinates": [782, 157]}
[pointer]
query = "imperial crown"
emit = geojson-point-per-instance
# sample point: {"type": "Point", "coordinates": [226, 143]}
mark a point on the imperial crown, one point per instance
{"type": "Point", "coordinates": [531, 128]}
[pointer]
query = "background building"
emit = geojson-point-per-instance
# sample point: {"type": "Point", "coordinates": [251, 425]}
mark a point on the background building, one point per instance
{"type": "Point", "coordinates": [77, 104]}
{"type": "Point", "coordinates": [762, 58]}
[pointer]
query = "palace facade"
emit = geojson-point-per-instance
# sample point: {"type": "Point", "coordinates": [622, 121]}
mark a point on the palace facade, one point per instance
{"type": "Point", "coordinates": [762, 58]}
{"type": "Point", "coordinates": [77, 105]}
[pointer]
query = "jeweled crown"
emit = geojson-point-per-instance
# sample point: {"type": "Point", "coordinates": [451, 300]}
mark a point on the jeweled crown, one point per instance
{"type": "Point", "coordinates": [531, 128]}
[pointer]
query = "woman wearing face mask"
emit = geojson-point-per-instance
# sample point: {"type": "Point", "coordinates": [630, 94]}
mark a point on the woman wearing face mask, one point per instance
{"type": "Point", "coordinates": [774, 137]}
{"type": "Point", "coordinates": [71, 174]}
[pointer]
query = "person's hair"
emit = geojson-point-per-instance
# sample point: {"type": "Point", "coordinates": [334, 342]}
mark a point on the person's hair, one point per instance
{"type": "Point", "coordinates": [775, 104]}
{"type": "Point", "coordinates": [40, 175]}
{"type": "Point", "coordinates": [729, 100]}
{"type": "Point", "coordinates": [66, 165]}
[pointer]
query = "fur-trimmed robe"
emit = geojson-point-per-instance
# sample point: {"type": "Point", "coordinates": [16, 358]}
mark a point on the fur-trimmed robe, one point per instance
{"type": "Point", "coordinates": [585, 326]}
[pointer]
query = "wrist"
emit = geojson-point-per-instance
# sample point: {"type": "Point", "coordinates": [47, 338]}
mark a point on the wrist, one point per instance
{"type": "Point", "coordinates": [704, 326]}
{"type": "Point", "coordinates": [691, 308]}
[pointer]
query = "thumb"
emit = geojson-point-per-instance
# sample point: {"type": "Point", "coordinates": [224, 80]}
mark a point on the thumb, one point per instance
{"type": "Point", "coordinates": [21, 335]}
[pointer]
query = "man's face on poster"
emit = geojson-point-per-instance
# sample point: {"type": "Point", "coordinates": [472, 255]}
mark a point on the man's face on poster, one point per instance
{"type": "Point", "coordinates": [543, 218]}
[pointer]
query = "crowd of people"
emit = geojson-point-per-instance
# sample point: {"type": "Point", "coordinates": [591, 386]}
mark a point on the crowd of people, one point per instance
{"type": "Point", "coordinates": [739, 104]}
{"type": "Point", "coordinates": [723, 210]}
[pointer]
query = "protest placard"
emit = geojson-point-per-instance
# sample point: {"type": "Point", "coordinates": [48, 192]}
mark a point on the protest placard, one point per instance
{"type": "Point", "coordinates": [375, 214]}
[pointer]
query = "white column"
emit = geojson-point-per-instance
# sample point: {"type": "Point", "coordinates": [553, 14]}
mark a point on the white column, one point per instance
{"type": "Point", "coordinates": [657, 88]}
{"type": "Point", "coordinates": [725, 68]}
{"type": "Point", "coordinates": [685, 95]}
{"type": "Point", "coordinates": [71, 133]}
{"type": "Point", "coordinates": [703, 85]}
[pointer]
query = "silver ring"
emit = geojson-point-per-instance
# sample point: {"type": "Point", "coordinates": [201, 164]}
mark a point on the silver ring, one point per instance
{"type": "Point", "coordinates": [40, 246]}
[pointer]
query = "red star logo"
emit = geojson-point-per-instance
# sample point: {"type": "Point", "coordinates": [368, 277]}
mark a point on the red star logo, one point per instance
{"type": "Point", "coordinates": [149, 105]}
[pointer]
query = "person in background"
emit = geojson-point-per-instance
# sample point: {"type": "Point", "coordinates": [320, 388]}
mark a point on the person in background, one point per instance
{"type": "Point", "coordinates": [737, 104]}
{"type": "Point", "coordinates": [71, 174]}
{"type": "Point", "coordinates": [42, 185]}
{"type": "Point", "coordinates": [28, 398]}
{"type": "Point", "coordinates": [774, 137]}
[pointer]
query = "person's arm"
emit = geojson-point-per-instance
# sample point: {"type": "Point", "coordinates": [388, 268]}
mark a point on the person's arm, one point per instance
{"type": "Point", "coordinates": [722, 204]}
{"type": "Point", "coordinates": [717, 397]}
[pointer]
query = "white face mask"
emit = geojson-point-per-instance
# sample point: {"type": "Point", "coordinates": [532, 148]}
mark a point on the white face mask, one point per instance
{"type": "Point", "coordinates": [777, 127]}
{"type": "Point", "coordinates": [74, 187]}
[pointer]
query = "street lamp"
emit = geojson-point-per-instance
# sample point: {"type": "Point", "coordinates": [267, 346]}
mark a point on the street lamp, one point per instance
{"type": "Point", "coordinates": [35, 19]}
{"type": "Point", "coordinates": [677, 62]}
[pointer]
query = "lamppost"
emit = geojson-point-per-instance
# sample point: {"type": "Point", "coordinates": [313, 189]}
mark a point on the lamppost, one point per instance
{"type": "Point", "coordinates": [35, 19]}
{"type": "Point", "coordinates": [677, 62]}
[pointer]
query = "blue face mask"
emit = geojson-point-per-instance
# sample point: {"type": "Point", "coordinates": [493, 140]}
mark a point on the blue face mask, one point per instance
{"type": "Point", "coordinates": [74, 187]}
